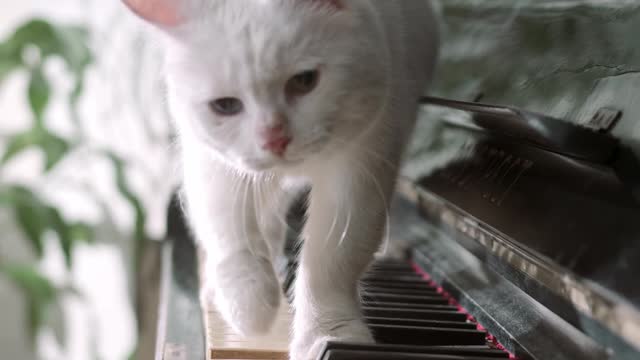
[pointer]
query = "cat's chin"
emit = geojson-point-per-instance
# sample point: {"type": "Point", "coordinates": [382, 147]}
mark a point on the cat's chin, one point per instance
{"type": "Point", "coordinates": [258, 167]}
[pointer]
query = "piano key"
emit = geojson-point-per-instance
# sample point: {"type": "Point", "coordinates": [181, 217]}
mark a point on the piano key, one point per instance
{"type": "Point", "coordinates": [413, 299]}
{"type": "Point", "coordinates": [399, 268]}
{"type": "Point", "coordinates": [404, 278]}
{"type": "Point", "coordinates": [416, 335]}
{"type": "Point", "coordinates": [384, 275]}
{"type": "Point", "coordinates": [395, 305]}
{"type": "Point", "coordinates": [288, 282]}
{"type": "Point", "coordinates": [290, 276]}
{"type": "Point", "coordinates": [391, 262]}
{"type": "Point", "coordinates": [372, 273]}
{"type": "Point", "coordinates": [374, 311]}
{"type": "Point", "coordinates": [408, 285]}
{"type": "Point", "coordinates": [402, 310]}
{"type": "Point", "coordinates": [471, 351]}
{"type": "Point", "coordinates": [388, 290]}
{"type": "Point", "coordinates": [423, 323]}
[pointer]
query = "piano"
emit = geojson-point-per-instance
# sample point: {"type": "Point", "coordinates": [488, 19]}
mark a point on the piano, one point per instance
{"type": "Point", "coordinates": [518, 209]}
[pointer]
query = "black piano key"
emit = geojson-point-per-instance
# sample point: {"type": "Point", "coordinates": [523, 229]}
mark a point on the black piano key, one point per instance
{"type": "Point", "coordinates": [289, 280]}
{"type": "Point", "coordinates": [403, 279]}
{"type": "Point", "coordinates": [470, 351]}
{"type": "Point", "coordinates": [400, 269]}
{"type": "Point", "coordinates": [387, 290]}
{"type": "Point", "coordinates": [391, 262]}
{"type": "Point", "coordinates": [423, 323]}
{"type": "Point", "coordinates": [386, 275]}
{"type": "Point", "coordinates": [435, 299]}
{"type": "Point", "coordinates": [372, 311]}
{"type": "Point", "coordinates": [408, 285]}
{"type": "Point", "coordinates": [395, 272]}
{"type": "Point", "coordinates": [415, 335]}
{"type": "Point", "coordinates": [396, 305]}
{"type": "Point", "coordinates": [379, 272]}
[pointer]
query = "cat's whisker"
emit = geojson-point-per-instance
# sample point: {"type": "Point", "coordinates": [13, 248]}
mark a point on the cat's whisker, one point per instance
{"type": "Point", "coordinates": [346, 228]}
{"type": "Point", "coordinates": [386, 238]}
{"type": "Point", "coordinates": [332, 228]}
{"type": "Point", "coordinates": [368, 151]}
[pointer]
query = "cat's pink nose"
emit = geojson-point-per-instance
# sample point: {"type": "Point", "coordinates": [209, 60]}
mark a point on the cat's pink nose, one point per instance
{"type": "Point", "coordinates": [276, 140]}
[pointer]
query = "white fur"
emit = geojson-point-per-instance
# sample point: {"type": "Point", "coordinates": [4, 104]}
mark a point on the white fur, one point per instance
{"type": "Point", "coordinates": [348, 135]}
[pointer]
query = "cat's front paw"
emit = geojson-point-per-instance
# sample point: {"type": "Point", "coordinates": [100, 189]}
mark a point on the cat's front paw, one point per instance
{"type": "Point", "coordinates": [246, 292]}
{"type": "Point", "coordinates": [307, 345]}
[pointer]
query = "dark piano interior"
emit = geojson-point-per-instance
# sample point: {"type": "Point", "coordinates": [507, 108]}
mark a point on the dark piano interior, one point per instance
{"type": "Point", "coordinates": [520, 200]}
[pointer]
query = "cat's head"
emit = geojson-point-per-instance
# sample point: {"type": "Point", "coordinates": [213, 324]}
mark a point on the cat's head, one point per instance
{"type": "Point", "coordinates": [266, 83]}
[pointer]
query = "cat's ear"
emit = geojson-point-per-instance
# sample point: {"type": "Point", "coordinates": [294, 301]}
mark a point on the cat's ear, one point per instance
{"type": "Point", "coordinates": [163, 13]}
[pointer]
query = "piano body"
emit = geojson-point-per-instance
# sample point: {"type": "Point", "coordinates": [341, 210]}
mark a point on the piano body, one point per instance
{"type": "Point", "coordinates": [522, 220]}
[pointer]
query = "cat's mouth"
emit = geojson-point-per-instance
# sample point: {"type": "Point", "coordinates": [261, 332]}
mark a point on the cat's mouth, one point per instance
{"type": "Point", "coordinates": [294, 157]}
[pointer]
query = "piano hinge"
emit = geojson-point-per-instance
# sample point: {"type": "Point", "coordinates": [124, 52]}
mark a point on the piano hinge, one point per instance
{"type": "Point", "coordinates": [604, 120]}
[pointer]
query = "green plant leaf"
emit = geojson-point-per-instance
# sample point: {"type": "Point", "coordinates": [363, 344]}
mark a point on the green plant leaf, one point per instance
{"type": "Point", "coordinates": [81, 232]}
{"type": "Point", "coordinates": [69, 234]}
{"type": "Point", "coordinates": [8, 63]}
{"type": "Point", "coordinates": [125, 191]}
{"type": "Point", "coordinates": [63, 230]}
{"type": "Point", "coordinates": [39, 293]}
{"type": "Point", "coordinates": [32, 220]}
{"type": "Point", "coordinates": [39, 92]}
{"type": "Point", "coordinates": [68, 42]}
{"type": "Point", "coordinates": [54, 147]}
{"type": "Point", "coordinates": [35, 218]}
{"type": "Point", "coordinates": [74, 98]}
{"type": "Point", "coordinates": [18, 143]}
{"type": "Point", "coordinates": [140, 216]}
{"type": "Point", "coordinates": [73, 47]}
{"type": "Point", "coordinates": [29, 213]}
{"type": "Point", "coordinates": [36, 32]}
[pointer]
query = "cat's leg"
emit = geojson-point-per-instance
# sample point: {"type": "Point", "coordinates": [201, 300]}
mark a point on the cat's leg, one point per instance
{"type": "Point", "coordinates": [273, 204]}
{"type": "Point", "coordinates": [240, 277]}
{"type": "Point", "coordinates": [347, 217]}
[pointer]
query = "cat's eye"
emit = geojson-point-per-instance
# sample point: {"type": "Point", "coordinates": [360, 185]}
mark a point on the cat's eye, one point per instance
{"type": "Point", "coordinates": [302, 83]}
{"type": "Point", "coordinates": [226, 106]}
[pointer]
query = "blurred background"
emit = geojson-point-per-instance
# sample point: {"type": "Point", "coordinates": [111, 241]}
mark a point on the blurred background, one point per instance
{"type": "Point", "coordinates": [87, 168]}
{"type": "Point", "coordinates": [86, 173]}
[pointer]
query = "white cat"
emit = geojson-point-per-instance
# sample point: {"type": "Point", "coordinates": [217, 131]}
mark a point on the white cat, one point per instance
{"type": "Point", "coordinates": [271, 95]}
